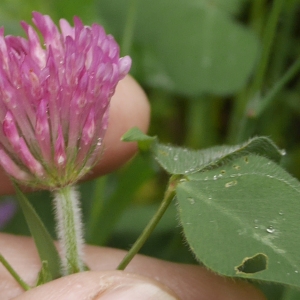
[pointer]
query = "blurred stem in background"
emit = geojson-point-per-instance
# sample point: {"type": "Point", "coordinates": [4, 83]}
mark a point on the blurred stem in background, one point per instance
{"type": "Point", "coordinates": [257, 15]}
{"type": "Point", "coordinates": [201, 122]}
{"type": "Point", "coordinates": [129, 27]}
{"type": "Point", "coordinates": [278, 86]}
{"type": "Point", "coordinates": [97, 203]}
{"type": "Point", "coordinates": [268, 41]}
{"type": "Point", "coordinates": [258, 106]}
{"type": "Point", "coordinates": [253, 94]}
{"type": "Point", "coordinates": [283, 44]}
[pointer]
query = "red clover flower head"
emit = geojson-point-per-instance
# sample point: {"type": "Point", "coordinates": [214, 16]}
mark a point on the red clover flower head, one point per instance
{"type": "Point", "coordinates": [54, 100]}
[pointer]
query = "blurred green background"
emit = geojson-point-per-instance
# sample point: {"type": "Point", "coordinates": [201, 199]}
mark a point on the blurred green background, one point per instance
{"type": "Point", "coordinates": [204, 66]}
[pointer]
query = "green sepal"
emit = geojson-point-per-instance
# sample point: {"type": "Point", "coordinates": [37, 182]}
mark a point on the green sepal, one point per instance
{"type": "Point", "coordinates": [44, 274]}
{"type": "Point", "coordinates": [43, 240]}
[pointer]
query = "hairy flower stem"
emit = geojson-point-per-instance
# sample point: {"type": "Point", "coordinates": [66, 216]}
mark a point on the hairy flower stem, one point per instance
{"type": "Point", "coordinates": [169, 195]}
{"type": "Point", "coordinates": [69, 229]}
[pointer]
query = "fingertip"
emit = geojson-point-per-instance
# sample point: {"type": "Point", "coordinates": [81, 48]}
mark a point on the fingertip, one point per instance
{"type": "Point", "coordinates": [110, 285]}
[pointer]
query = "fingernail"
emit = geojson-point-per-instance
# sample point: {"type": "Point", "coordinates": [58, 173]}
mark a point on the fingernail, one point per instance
{"type": "Point", "coordinates": [141, 291]}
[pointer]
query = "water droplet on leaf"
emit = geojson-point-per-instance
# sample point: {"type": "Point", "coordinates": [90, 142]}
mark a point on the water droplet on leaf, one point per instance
{"type": "Point", "coordinates": [270, 229]}
{"type": "Point", "coordinates": [99, 142]}
{"type": "Point", "coordinates": [283, 152]}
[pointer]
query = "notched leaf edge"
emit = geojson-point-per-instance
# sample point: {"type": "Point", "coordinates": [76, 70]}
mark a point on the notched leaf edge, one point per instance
{"type": "Point", "coordinates": [253, 264]}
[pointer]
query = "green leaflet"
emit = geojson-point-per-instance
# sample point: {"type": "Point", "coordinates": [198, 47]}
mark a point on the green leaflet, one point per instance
{"type": "Point", "coordinates": [179, 44]}
{"type": "Point", "coordinates": [177, 160]}
{"type": "Point", "coordinates": [238, 208]}
{"type": "Point", "coordinates": [244, 215]}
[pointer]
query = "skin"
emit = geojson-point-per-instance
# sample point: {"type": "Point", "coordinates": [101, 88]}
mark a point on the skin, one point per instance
{"type": "Point", "coordinates": [145, 277]}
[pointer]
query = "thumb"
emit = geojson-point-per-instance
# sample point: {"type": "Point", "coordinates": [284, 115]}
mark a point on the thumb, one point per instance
{"type": "Point", "coordinates": [110, 285]}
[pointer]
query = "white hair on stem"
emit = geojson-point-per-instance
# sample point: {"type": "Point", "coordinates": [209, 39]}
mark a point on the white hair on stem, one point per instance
{"type": "Point", "coordinates": [69, 229]}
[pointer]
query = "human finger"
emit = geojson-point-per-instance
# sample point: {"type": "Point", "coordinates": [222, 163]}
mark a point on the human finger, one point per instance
{"type": "Point", "coordinates": [104, 285]}
{"type": "Point", "coordinates": [188, 282]}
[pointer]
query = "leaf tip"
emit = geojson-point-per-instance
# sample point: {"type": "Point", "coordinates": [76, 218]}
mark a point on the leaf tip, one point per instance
{"type": "Point", "coordinates": [136, 135]}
